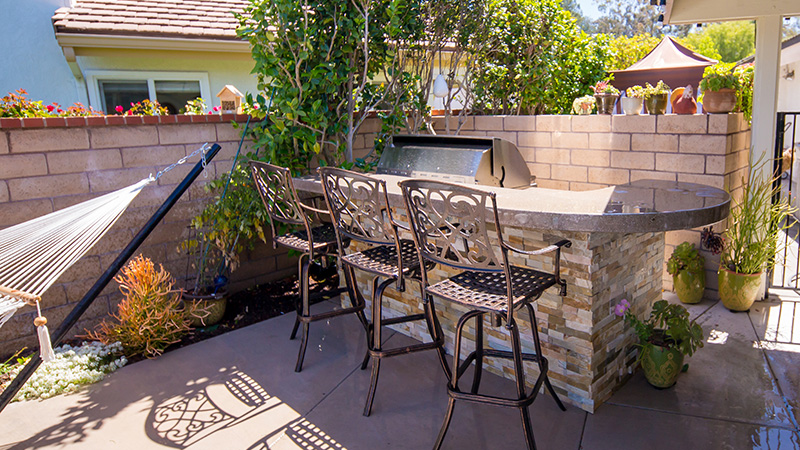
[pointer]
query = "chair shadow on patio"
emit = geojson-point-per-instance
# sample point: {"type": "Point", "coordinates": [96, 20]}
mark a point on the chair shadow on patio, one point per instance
{"type": "Point", "coordinates": [184, 420]}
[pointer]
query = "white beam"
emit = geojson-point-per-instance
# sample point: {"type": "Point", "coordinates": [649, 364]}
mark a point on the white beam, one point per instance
{"type": "Point", "coordinates": [694, 11]}
{"type": "Point", "coordinates": [765, 89]}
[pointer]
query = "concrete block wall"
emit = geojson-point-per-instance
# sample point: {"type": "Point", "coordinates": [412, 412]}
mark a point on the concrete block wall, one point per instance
{"type": "Point", "coordinates": [49, 164]}
{"type": "Point", "coordinates": [595, 151]}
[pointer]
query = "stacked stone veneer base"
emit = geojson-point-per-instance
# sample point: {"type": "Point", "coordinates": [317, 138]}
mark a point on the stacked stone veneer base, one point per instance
{"type": "Point", "coordinates": [589, 351]}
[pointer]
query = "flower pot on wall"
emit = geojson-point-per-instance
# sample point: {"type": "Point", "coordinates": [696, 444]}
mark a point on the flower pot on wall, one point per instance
{"type": "Point", "coordinates": [689, 286]}
{"type": "Point", "coordinates": [631, 106]}
{"type": "Point", "coordinates": [719, 102]}
{"type": "Point", "coordinates": [738, 291]}
{"type": "Point", "coordinates": [605, 103]}
{"type": "Point", "coordinates": [656, 104]}
{"type": "Point", "coordinates": [661, 365]}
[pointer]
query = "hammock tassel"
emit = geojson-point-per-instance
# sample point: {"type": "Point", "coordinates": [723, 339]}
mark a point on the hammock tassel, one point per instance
{"type": "Point", "coordinates": [45, 347]}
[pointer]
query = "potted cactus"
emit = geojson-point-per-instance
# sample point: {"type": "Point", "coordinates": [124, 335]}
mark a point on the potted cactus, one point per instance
{"type": "Point", "coordinates": [605, 96]}
{"type": "Point", "coordinates": [632, 104]}
{"type": "Point", "coordinates": [687, 267]}
{"type": "Point", "coordinates": [656, 97]}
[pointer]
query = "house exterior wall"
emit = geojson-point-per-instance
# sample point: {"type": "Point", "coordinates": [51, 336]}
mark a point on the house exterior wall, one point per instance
{"type": "Point", "coordinates": [54, 163]}
{"type": "Point", "coordinates": [31, 56]}
{"type": "Point", "coordinates": [221, 68]}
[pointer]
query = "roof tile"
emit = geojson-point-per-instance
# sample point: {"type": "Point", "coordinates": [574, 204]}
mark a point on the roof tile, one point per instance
{"type": "Point", "coordinates": [187, 18]}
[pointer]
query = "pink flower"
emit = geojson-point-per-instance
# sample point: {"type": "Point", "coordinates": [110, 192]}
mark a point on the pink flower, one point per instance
{"type": "Point", "coordinates": [216, 108]}
{"type": "Point", "coordinates": [119, 109]}
{"type": "Point", "coordinates": [255, 105]}
{"type": "Point", "coordinates": [50, 108]}
{"type": "Point", "coordinates": [621, 308]}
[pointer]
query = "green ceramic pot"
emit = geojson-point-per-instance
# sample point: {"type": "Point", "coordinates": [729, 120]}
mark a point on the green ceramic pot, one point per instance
{"type": "Point", "coordinates": [738, 291]}
{"type": "Point", "coordinates": [689, 286]}
{"type": "Point", "coordinates": [212, 307]}
{"type": "Point", "coordinates": [656, 104]}
{"type": "Point", "coordinates": [661, 365]}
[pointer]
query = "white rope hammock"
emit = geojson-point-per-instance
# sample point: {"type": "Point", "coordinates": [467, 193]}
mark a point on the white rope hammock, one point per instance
{"type": "Point", "coordinates": [35, 253]}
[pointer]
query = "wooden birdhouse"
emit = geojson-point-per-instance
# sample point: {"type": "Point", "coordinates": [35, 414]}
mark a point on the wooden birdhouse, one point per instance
{"type": "Point", "coordinates": [230, 100]}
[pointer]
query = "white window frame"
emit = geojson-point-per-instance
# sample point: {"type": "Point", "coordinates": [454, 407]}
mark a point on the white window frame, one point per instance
{"type": "Point", "coordinates": [94, 77]}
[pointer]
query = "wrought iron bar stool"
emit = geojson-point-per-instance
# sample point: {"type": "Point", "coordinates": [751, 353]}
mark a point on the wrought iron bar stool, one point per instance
{"type": "Point", "coordinates": [359, 206]}
{"type": "Point", "coordinates": [314, 240]}
{"type": "Point", "coordinates": [450, 227]}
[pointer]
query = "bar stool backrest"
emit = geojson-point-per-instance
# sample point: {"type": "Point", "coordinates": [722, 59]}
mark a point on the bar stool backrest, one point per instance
{"type": "Point", "coordinates": [359, 206]}
{"type": "Point", "coordinates": [449, 224]}
{"type": "Point", "coordinates": [274, 185]}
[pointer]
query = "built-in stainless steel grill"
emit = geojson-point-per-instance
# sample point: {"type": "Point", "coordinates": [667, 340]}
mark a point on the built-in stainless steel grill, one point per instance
{"type": "Point", "coordinates": [458, 159]}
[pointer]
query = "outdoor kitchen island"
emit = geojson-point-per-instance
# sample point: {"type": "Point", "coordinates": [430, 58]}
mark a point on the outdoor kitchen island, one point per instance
{"type": "Point", "coordinates": [617, 253]}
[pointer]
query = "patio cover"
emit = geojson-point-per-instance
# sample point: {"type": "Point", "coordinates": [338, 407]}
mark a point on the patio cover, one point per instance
{"type": "Point", "coordinates": [669, 61]}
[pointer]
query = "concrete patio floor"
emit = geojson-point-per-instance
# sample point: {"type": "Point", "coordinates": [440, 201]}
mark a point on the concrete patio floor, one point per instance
{"type": "Point", "coordinates": [239, 391]}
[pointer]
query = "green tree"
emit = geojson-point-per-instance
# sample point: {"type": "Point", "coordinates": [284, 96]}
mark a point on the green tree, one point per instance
{"type": "Point", "coordinates": [536, 59]}
{"type": "Point", "coordinates": [627, 50]}
{"type": "Point", "coordinates": [574, 8]}
{"type": "Point", "coordinates": [633, 17]}
{"type": "Point", "coordinates": [726, 41]}
{"type": "Point", "coordinates": [318, 60]}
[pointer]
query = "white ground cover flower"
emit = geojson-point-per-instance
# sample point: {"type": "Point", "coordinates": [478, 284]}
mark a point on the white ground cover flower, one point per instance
{"type": "Point", "coordinates": [71, 368]}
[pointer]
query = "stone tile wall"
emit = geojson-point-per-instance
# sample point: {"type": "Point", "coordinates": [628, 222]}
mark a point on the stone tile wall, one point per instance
{"type": "Point", "coordinates": [49, 164]}
{"type": "Point", "coordinates": [589, 152]}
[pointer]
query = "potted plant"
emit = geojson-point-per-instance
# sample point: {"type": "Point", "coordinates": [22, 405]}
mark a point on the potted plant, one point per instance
{"type": "Point", "coordinates": [719, 86]}
{"type": "Point", "coordinates": [632, 104]}
{"type": "Point", "coordinates": [665, 338]}
{"type": "Point", "coordinates": [583, 105]}
{"type": "Point", "coordinates": [223, 229]}
{"type": "Point", "coordinates": [656, 98]}
{"type": "Point", "coordinates": [682, 100]}
{"type": "Point", "coordinates": [751, 240]}
{"type": "Point", "coordinates": [687, 267]}
{"type": "Point", "coordinates": [605, 96]}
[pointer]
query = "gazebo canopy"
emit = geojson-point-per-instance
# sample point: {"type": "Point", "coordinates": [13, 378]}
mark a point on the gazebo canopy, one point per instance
{"type": "Point", "coordinates": [669, 61]}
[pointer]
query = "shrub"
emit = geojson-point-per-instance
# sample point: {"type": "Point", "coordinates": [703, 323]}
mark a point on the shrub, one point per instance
{"type": "Point", "coordinates": [537, 59]}
{"type": "Point", "coordinates": [71, 368]}
{"type": "Point", "coordinates": [146, 108]}
{"type": "Point", "coordinates": [17, 104]}
{"type": "Point", "coordinates": [150, 315]}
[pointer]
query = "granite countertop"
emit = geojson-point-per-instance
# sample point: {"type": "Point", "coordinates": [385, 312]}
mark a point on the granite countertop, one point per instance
{"type": "Point", "coordinates": [639, 207]}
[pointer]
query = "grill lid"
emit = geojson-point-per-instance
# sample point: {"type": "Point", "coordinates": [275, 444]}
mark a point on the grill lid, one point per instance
{"type": "Point", "coordinates": [468, 160]}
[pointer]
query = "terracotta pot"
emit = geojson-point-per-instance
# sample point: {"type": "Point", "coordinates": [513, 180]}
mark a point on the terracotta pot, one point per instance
{"type": "Point", "coordinates": [631, 106]}
{"type": "Point", "coordinates": [212, 307]}
{"type": "Point", "coordinates": [689, 286]}
{"type": "Point", "coordinates": [738, 291]}
{"type": "Point", "coordinates": [661, 365]}
{"type": "Point", "coordinates": [656, 104]}
{"type": "Point", "coordinates": [605, 103]}
{"type": "Point", "coordinates": [719, 102]}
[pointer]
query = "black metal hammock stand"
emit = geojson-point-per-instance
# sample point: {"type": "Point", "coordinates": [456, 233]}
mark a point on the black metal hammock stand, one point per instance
{"type": "Point", "coordinates": [19, 286]}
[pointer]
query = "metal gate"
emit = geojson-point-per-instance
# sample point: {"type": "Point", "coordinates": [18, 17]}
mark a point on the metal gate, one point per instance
{"type": "Point", "coordinates": [787, 141]}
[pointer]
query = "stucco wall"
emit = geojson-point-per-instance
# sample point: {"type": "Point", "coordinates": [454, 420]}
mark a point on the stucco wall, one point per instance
{"type": "Point", "coordinates": [32, 59]}
{"type": "Point", "coordinates": [54, 163]}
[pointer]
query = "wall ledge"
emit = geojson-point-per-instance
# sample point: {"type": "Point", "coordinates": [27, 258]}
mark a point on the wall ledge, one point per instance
{"type": "Point", "coordinates": [100, 121]}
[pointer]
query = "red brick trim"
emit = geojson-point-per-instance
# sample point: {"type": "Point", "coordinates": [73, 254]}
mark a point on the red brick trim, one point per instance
{"type": "Point", "coordinates": [101, 121]}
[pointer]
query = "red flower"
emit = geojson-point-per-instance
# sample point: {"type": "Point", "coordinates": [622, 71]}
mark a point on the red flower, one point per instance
{"type": "Point", "coordinates": [50, 108]}
{"type": "Point", "coordinates": [119, 109]}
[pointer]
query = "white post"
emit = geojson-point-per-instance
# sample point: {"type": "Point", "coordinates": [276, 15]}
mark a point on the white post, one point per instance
{"type": "Point", "coordinates": [765, 89]}
{"type": "Point", "coordinates": [765, 97]}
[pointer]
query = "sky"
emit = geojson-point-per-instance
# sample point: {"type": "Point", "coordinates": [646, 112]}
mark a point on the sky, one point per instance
{"type": "Point", "coordinates": [589, 8]}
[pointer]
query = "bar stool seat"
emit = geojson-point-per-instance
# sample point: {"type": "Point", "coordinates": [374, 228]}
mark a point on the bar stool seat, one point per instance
{"type": "Point", "coordinates": [451, 226]}
{"type": "Point", "coordinates": [487, 290]}
{"type": "Point", "coordinates": [359, 206]}
{"type": "Point", "coordinates": [316, 240]}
